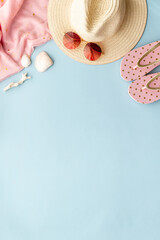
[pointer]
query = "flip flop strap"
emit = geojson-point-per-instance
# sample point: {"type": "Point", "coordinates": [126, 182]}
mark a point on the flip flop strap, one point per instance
{"type": "Point", "coordinates": [149, 51]}
{"type": "Point", "coordinates": [148, 84]}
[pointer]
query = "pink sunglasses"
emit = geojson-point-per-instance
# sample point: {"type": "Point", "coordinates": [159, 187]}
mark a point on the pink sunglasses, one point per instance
{"type": "Point", "coordinates": [72, 40]}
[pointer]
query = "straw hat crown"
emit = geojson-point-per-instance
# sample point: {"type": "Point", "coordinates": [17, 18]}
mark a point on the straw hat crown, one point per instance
{"type": "Point", "coordinates": [115, 25]}
{"type": "Point", "coordinates": [97, 20]}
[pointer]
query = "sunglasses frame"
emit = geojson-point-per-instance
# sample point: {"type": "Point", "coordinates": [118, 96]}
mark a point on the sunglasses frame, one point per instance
{"type": "Point", "coordinates": [97, 54]}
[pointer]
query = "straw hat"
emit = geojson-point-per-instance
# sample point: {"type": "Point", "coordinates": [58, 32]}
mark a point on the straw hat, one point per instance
{"type": "Point", "coordinates": [115, 25]}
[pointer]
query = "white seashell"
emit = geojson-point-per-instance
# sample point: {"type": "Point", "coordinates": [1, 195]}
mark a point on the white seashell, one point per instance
{"type": "Point", "coordinates": [43, 62]}
{"type": "Point", "coordinates": [25, 61]}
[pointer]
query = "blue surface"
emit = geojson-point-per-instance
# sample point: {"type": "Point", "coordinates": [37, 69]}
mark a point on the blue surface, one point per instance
{"type": "Point", "coordinates": [79, 159]}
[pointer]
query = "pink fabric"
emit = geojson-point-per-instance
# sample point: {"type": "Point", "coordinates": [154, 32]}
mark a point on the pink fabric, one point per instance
{"type": "Point", "coordinates": [23, 25]}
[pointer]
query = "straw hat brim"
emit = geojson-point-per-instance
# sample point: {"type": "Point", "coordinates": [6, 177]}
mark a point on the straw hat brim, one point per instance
{"type": "Point", "coordinates": [114, 48]}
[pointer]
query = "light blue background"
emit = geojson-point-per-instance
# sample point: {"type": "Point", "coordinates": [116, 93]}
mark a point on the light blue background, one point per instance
{"type": "Point", "coordinates": [79, 159]}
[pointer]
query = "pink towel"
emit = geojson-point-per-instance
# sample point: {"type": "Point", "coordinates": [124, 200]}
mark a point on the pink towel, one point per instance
{"type": "Point", "coordinates": [23, 25]}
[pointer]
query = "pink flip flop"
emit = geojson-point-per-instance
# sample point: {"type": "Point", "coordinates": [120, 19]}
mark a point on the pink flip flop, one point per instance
{"type": "Point", "coordinates": [147, 89]}
{"type": "Point", "coordinates": [140, 61]}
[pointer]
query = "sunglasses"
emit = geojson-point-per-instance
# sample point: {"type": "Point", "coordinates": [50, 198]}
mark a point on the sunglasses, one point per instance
{"type": "Point", "coordinates": [72, 41]}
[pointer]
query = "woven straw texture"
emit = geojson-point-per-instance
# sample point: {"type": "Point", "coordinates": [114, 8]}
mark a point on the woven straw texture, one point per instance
{"type": "Point", "coordinates": [115, 47]}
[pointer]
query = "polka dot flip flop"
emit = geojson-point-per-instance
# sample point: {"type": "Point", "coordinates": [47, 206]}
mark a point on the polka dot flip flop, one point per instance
{"type": "Point", "coordinates": [140, 61]}
{"type": "Point", "coordinates": [147, 89]}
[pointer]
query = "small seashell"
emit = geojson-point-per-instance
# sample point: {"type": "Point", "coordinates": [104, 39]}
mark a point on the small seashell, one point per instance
{"type": "Point", "coordinates": [25, 61]}
{"type": "Point", "coordinates": [43, 62]}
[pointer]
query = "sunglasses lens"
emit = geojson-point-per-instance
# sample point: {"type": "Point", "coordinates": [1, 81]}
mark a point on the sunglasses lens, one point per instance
{"type": "Point", "coordinates": [92, 51]}
{"type": "Point", "coordinates": [71, 40]}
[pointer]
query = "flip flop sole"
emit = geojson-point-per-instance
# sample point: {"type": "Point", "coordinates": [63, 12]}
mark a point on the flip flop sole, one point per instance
{"type": "Point", "coordinates": [144, 95]}
{"type": "Point", "coordinates": [128, 72]}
